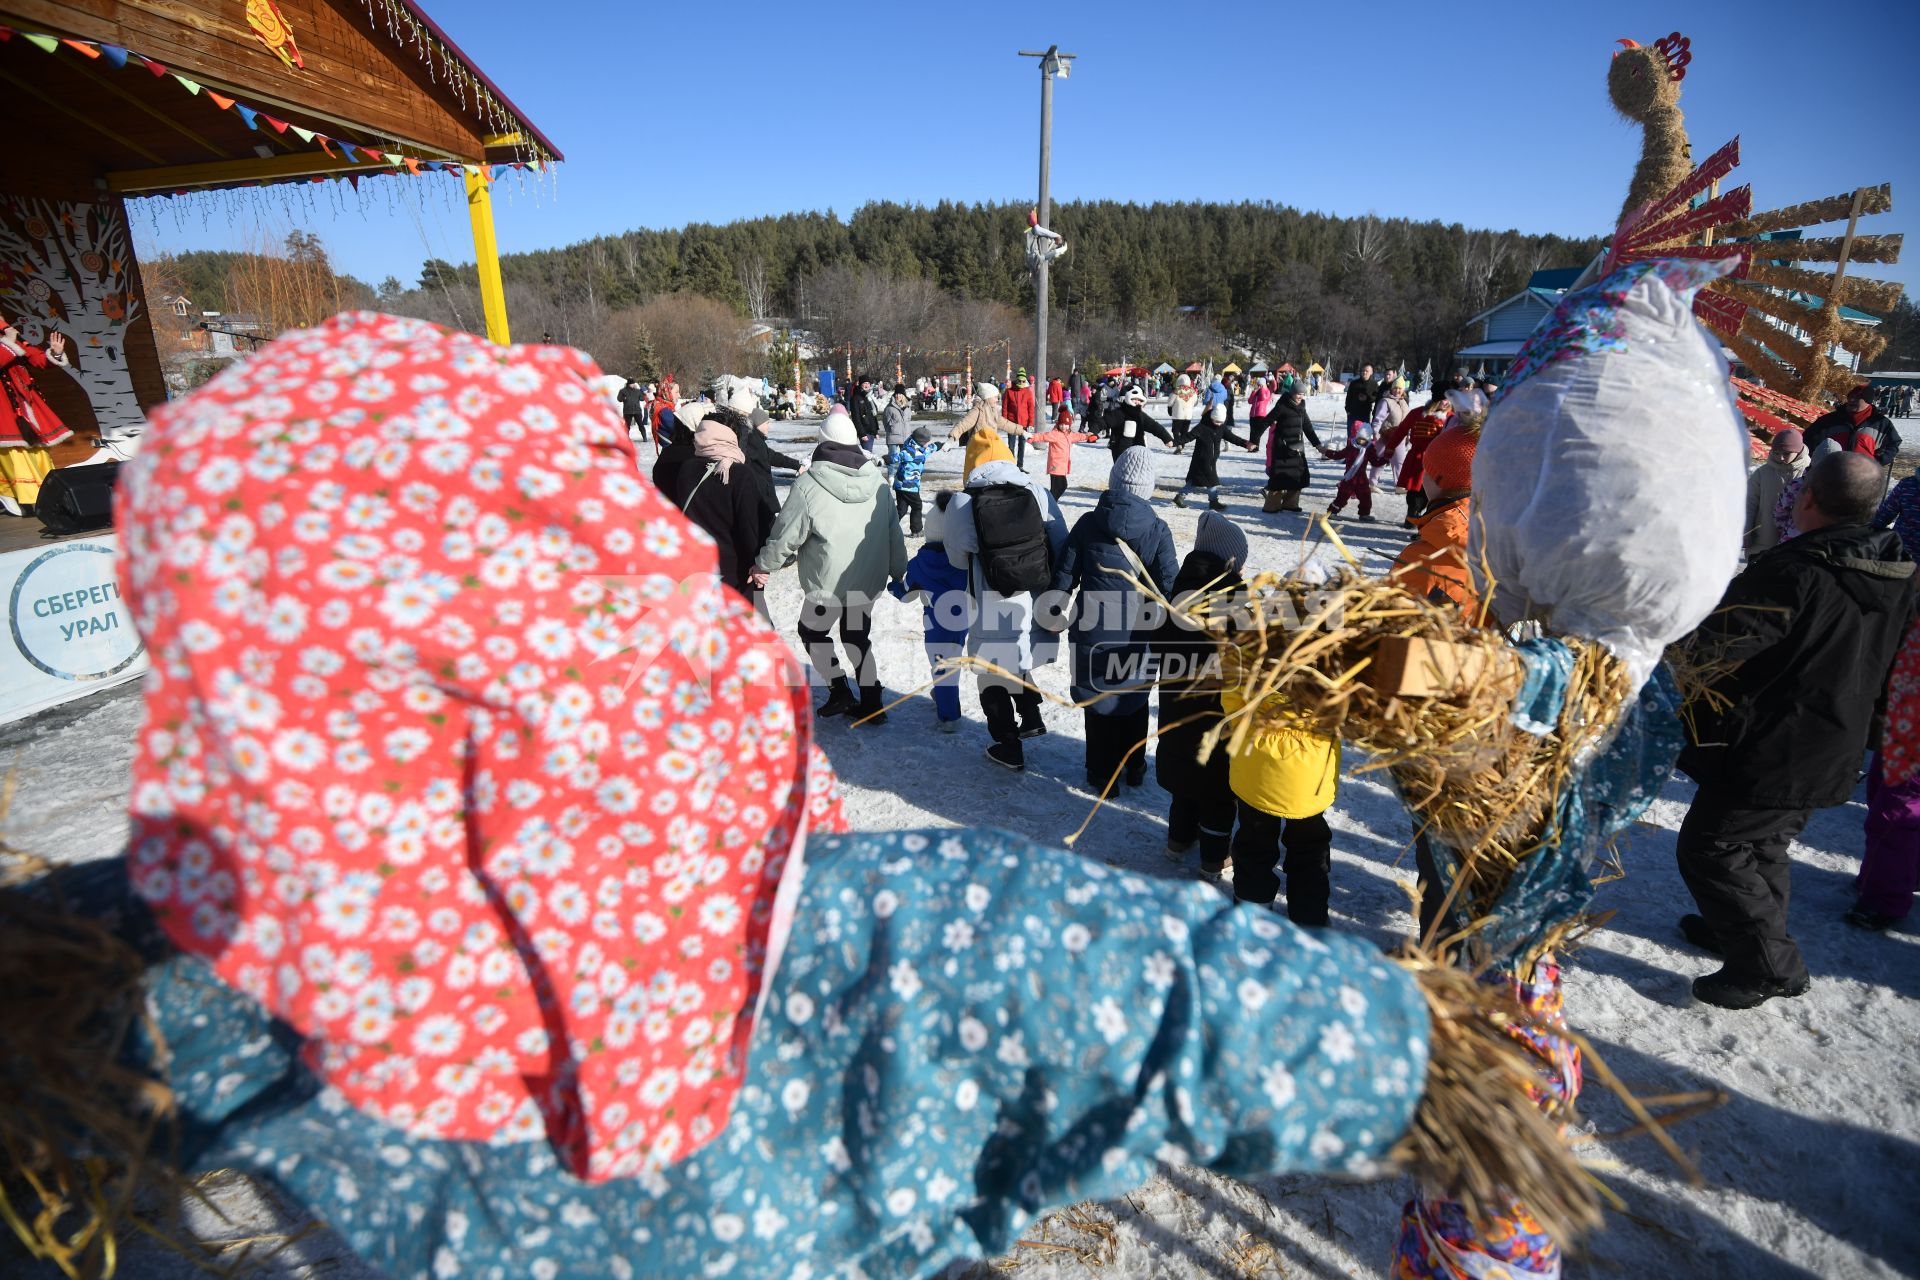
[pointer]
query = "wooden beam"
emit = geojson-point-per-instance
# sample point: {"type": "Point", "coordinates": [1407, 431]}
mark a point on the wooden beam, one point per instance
{"type": "Point", "coordinates": [503, 139]}
{"type": "Point", "coordinates": [65, 110]}
{"type": "Point", "coordinates": [219, 173]}
{"type": "Point", "coordinates": [107, 84]}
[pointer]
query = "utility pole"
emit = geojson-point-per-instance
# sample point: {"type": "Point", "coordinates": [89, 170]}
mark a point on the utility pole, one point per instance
{"type": "Point", "coordinates": [1052, 63]}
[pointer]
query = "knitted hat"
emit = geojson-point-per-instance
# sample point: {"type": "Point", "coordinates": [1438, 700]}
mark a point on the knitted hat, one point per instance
{"type": "Point", "coordinates": [758, 418]}
{"type": "Point", "coordinates": [1449, 459]}
{"type": "Point", "coordinates": [1134, 472]}
{"type": "Point", "coordinates": [920, 436]}
{"type": "Point", "coordinates": [1218, 413]}
{"type": "Point", "coordinates": [984, 446]}
{"type": "Point", "coordinates": [689, 415]}
{"type": "Point", "coordinates": [1221, 537]}
{"type": "Point", "coordinates": [986, 390]}
{"type": "Point", "coordinates": [838, 428]}
{"type": "Point", "coordinates": [1789, 442]}
{"type": "Point", "coordinates": [935, 527]}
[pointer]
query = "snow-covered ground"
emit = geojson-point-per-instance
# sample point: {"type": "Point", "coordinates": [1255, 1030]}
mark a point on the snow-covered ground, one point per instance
{"type": "Point", "coordinates": [1811, 1169]}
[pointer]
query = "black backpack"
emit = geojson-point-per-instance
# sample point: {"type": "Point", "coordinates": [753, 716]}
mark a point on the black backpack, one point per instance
{"type": "Point", "coordinates": [1014, 555]}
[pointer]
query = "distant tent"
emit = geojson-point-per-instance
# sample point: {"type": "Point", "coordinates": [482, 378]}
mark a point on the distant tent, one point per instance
{"type": "Point", "coordinates": [1231, 368]}
{"type": "Point", "coordinates": [1259, 366]}
{"type": "Point", "coordinates": [1316, 367]}
{"type": "Point", "coordinates": [1286, 368]}
{"type": "Point", "coordinates": [1163, 367]}
{"type": "Point", "coordinates": [1195, 367]}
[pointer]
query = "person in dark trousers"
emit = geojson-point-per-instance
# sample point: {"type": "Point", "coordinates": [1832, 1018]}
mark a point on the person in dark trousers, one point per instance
{"type": "Point", "coordinates": [1289, 429]}
{"type": "Point", "coordinates": [1813, 626]}
{"type": "Point", "coordinates": [1203, 469]}
{"type": "Point", "coordinates": [866, 419]}
{"type": "Point", "coordinates": [1109, 619]}
{"type": "Point", "coordinates": [909, 462]}
{"type": "Point", "coordinates": [1128, 423]}
{"type": "Point", "coordinates": [633, 407]}
{"type": "Point", "coordinates": [1363, 394]}
{"type": "Point", "coordinates": [1202, 806]}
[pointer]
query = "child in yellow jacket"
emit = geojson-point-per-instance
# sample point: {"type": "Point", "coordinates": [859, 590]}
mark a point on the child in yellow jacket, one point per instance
{"type": "Point", "coordinates": [1284, 780]}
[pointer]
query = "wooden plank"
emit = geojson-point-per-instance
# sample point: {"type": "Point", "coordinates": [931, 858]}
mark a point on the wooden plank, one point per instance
{"type": "Point", "coordinates": [34, 94]}
{"type": "Point", "coordinates": [219, 173]}
{"type": "Point", "coordinates": [351, 80]}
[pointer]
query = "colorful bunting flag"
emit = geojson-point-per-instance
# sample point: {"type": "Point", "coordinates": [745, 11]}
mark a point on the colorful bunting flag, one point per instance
{"type": "Point", "coordinates": [247, 113]}
{"type": "Point", "coordinates": [347, 147]}
{"type": "Point", "coordinates": [46, 43]}
{"type": "Point", "coordinates": [323, 144]}
{"type": "Point", "coordinates": [371, 154]}
{"type": "Point", "coordinates": [191, 86]}
{"type": "Point", "coordinates": [305, 135]}
{"type": "Point", "coordinates": [114, 54]}
{"type": "Point", "coordinates": [219, 100]}
{"type": "Point", "coordinates": [158, 68]}
{"type": "Point", "coordinates": [81, 47]}
{"type": "Point", "coordinates": [279, 126]}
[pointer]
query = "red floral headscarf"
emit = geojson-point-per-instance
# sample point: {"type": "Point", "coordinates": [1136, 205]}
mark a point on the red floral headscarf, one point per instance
{"type": "Point", "coordinates": [456, 755]}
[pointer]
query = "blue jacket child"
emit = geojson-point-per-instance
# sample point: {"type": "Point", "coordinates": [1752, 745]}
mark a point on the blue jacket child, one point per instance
{"type": "Point", "coordinates": [948, 609]}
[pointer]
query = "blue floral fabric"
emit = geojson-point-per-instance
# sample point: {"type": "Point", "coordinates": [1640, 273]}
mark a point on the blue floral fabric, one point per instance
{"type": "Point", "coordinates": [966, 1030]}
{"type": "Point", "coordinates": [1600, 800]}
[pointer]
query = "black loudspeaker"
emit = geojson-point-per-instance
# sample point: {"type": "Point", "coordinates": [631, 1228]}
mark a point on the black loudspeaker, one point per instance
{"type": "Point", "coordinates": [78, 499]}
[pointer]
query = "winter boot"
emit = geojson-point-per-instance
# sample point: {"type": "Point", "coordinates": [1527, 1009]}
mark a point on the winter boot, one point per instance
{"type": "Point", "coordinates": [840, 700]}
{"type": "Point", "coordinates": [1180, 499]}
{"type": "Point", "coordinates": [1730, 989]}
{"type": "Point", "coordinates": [1008, 755]}
{"type": "Point", "coordinates": [1031, 725]}
{"type": "Point", "coordinates": [1214, 503]}
{"type": "Point", "coordinates": [872, 709]}
{"type": "Point", "coordinates": [1274, 501]}
{"type": "Point", "coordinates": [1293, 500]}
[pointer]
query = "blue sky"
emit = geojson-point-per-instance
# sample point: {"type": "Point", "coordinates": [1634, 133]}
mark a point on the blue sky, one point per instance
{"type": "Point", "coordinates": [1489, 114]}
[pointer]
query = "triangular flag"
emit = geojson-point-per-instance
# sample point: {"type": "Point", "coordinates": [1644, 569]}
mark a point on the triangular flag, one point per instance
{"type": "Point", "coordinates": [395, 160]}
{"type": "Point", "coordinates": [371, 154]}
{"type": "Point", "coordinates": [413, 165]}
{"type": "Point", "coordinates": [191, 86]}
{"type": "Point", "coordinates": [305, 135]}
{"type": "Point", "coordinates": [46, 43]}
{"type": "Point", "coordinates": [348, 148]}
{"type": "Point", "coordinates": [279, 126]}
{"type": "Point", "coordinates": [246, 113]}
{"type": "Point", "coordinates": [354, 178]}
{"type": "Point", "coordinates": [219, 100]}
{"type": "Point", "coordinates": [323, 143]}
{"type": "Point", "coordinates": [114, 54]}
{"type": "Point", "coordinates": [6, 34]}
{"type": "Point", "coordinates": [81, 46]}
{"type": "Point", "coordinates": [495, 171]}
{"type": "Point", "coordinates": [158, 68]}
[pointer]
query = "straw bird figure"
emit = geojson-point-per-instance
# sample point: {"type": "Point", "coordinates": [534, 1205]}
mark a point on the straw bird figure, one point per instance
{"type": "Point", "coordinates": [1644, 83]}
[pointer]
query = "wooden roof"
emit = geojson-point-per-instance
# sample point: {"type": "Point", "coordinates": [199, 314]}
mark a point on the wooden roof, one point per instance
{"type": "Point", "coordinates": [114, 108]}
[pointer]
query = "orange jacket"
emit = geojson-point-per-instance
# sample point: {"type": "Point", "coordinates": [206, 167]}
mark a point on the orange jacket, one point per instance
{"type": "Point", "coordinates": [1436, 560]}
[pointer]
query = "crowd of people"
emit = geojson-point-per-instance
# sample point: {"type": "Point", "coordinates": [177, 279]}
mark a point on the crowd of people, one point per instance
{"type": "Point", "coordinates": [1007, 579]}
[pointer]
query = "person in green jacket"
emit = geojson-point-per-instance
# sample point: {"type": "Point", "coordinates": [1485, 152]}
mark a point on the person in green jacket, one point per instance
{"type": "Point", "coordinates": [839, 523]}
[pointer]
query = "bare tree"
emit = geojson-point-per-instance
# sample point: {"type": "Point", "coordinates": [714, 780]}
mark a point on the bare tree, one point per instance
{"type": "Point", "coordinates": [752, 271]}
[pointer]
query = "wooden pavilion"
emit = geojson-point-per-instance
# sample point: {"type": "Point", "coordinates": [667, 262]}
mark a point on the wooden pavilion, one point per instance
{"type": "Point", "coordinates": [114, 98]}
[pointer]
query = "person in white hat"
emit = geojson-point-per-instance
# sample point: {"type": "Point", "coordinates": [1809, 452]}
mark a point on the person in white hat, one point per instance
{"type": "Point", "coordinates": [985, 413]}
{"type": "Point", "coordinates": [839, 523]}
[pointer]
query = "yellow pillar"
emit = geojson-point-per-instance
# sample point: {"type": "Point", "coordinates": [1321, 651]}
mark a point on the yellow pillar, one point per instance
{"type": "Point", "coordinates": [486, 254]}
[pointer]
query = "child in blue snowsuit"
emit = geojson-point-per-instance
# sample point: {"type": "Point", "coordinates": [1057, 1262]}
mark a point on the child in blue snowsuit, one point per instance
{"type": "Point", "coordinates": [909, 460]}
{"type": "Point", "coordinates": [949, 607]}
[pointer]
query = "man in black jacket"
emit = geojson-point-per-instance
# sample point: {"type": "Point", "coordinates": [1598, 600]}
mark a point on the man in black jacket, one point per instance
{"type": "Point", "coordinates": [866, 420]}
{"type": "Point", "coordinates": [1813, 626]}
{"type": "Point", "coordinates": [633, 406]}
{"type": "Point", "coordinates": [1363, 393]}
{"type": "Point", "coordinates": [1858, 427]}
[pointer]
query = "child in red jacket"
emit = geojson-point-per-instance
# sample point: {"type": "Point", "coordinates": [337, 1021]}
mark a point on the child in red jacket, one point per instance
{"type": "Point", "coordinates": [1060, 441]}
{"type": "Point", "coordinates": [1358, 455]}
